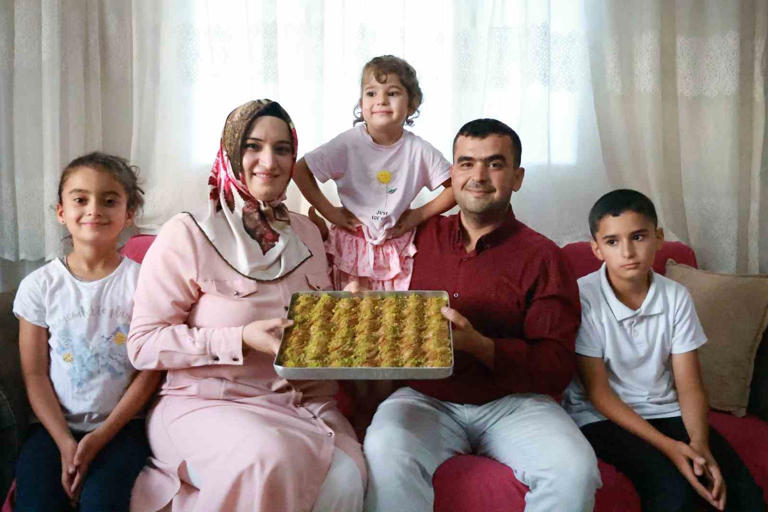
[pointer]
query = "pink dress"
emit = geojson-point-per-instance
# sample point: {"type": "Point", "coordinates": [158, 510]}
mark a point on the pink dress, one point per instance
{"type": "Point", "coordinates": [385, 266]}
{"type": "Point", "coordinates": [227, 433]}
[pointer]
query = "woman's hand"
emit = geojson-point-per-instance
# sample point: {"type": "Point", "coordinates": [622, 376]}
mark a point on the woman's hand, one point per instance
{"type": "Point", "coordinates": [87, 449]}
{"type": "Point", "coordinates": [264, 335]}
{"type": "Point", "coordinates": [688, 461]}
{"type": "Point", "coordinates": [67, 450]}
{"type": "Point", "coordinates": [342, 218]}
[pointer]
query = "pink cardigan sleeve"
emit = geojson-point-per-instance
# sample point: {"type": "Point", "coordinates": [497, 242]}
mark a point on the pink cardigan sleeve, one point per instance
{"type": "Point", "coordinates": [160, 338]}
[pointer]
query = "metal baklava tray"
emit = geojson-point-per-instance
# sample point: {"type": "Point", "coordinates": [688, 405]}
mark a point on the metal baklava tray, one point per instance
{"type": "Point", "coordinates": [366, 335]}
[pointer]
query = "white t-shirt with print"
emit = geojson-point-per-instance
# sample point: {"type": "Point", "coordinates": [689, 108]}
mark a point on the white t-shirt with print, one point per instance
{"type": "Point", "coordinates": [378, 183]}
{"type": "Point", "coordinates": [88, 325]}
{"type": "Point", "coordinates": [635, 345]}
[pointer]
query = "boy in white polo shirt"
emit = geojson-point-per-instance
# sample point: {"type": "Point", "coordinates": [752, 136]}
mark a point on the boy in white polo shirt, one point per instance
{"type": "Point", "coordinates": [639, 398]}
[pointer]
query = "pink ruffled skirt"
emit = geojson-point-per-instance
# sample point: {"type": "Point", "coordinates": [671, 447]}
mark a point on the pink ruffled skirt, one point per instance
{"type": "Point", "coordinates": [387, 266]}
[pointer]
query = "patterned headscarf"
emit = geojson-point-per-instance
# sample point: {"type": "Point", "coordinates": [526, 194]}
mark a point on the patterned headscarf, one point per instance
{"type": "Point", "coordinates": [253, 236]}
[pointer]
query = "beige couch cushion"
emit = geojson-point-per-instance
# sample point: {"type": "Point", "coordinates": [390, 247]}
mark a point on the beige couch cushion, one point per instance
{"type": "Point", "coordinates": [733, 310]}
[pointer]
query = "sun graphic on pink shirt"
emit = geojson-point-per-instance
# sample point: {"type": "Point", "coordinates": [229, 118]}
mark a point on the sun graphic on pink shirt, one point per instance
{"type": "Point", "coordinates": [384, 177]}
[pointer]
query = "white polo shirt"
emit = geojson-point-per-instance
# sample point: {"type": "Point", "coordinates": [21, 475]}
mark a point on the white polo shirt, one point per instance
{"type": "Point", "coordinates": [636, 345]}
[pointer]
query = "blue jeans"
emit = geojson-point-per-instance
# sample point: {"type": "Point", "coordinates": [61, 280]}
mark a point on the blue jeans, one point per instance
{"type": "Point", "coordinates": [107, 486]}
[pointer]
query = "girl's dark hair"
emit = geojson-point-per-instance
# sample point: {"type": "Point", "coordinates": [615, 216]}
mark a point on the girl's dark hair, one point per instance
{"type": "Point", "coordinates": [117, 167]}
{"type": "Point", "coordinates": [389, 64]}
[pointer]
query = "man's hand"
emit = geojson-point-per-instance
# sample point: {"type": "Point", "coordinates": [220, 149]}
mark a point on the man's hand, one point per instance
{"type": "Point", "coordinates": [343, 218]}
{"type": "Point", "coordinates": [264, 335]}
{"type": "Point", "coordinates": [407, 221]}
{"type": "Point", "coordinates": [467, 339]}
{"type": "Point", "coordinates": [87, 449]}
{"type": "Point", "coordinates": [688, 461]}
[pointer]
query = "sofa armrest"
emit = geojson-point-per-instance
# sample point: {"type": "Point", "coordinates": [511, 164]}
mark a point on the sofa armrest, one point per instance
{"type": "Point", "coordinates": [14, 407]}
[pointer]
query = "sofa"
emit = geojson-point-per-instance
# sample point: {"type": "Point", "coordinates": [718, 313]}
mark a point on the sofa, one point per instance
{"type": "Point", "coordinates": [463, 483]}
{"type": "Point", "coordinates": [14, 409]}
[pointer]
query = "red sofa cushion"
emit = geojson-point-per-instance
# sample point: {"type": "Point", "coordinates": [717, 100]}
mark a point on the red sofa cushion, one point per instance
{"type": "Point", "coordinates": [468, 483]}
{"type": "Point", "coordinates": [583, 262]}
{"type": "Point", "coordinates": [749, 437]}
{"type": "Point", "coordinates": [137, 247]}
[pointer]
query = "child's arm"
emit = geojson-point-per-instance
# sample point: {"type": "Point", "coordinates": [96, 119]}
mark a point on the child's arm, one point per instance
{"type": "Point", "coordinates": [139, 391]}
{"type": "Point", "coordinates": [307, 184]}
{"type": "Point", "coordinates": [694, 408]}
{"type": "Point", "coordinates": [594, 377]}
{"type": "Point", "coordinates": [33, 347]}
{"type": "Point", "coordinates": [412, 218]}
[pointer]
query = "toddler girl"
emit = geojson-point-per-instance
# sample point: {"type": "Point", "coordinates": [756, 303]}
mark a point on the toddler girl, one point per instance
{"type": "Point", "coordinates": [378, 168]}
{"type": "Point", "coordinates": [74, 315]}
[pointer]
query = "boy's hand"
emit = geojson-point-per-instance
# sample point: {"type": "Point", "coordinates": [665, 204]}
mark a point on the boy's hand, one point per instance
{"type": "Point", "coordinates": [87, 449]}
{"type": "Point", "coordinates": [343, 218]}
{"type": "Point", "coordinates": [710, 471]}
{"type": "Point", "coordinates": [686, 459]}
{"type": "Point", "coordinates": [68, 468]}
{"type": "Point", "coordinates": [407, 221]}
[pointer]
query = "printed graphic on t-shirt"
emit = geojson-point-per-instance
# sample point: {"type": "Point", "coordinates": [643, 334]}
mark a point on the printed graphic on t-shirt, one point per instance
{"type": "Point", "coordinates": [88, 324]}
{"type": "Point", "coordinates": [384, 177]}
{"type": "Point", "coordinates": [87, 359]}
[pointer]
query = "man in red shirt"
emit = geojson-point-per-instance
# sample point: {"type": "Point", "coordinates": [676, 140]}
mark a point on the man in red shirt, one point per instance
{"type": "Point", "coordinates": [515, 313]}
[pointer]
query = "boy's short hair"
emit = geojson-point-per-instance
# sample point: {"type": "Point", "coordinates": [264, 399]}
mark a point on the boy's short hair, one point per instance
{"type": "Point", "coordinates": [482, 128]}
{"type": "Point", "coordinates": [619, 201]}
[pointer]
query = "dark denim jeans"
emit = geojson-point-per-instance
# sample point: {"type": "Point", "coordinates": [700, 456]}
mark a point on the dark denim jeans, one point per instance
{"type": "Point", "coordinates": [107, 485]}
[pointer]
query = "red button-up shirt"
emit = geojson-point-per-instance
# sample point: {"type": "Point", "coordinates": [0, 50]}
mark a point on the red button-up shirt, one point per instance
{"type": "Point", "coordinates": [515, 288]}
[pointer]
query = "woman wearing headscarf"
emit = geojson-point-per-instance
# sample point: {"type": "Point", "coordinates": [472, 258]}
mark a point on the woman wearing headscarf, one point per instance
{"type": "Point", "coordinates": [227, 433]}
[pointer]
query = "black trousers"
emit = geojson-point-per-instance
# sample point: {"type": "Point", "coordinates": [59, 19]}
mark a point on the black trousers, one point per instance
{"type": "Point", "coordinates": [660, 485]}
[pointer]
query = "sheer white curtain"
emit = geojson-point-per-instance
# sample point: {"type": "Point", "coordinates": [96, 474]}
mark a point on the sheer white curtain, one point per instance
{"type": "Point", "coordinates": [65, 89]}
{"type": "Point", "coordinates": [680, 98]}
{"type": "Point", "coordinates": [666, 97]}
{"type": "Point", "coordinates": [523, 62]}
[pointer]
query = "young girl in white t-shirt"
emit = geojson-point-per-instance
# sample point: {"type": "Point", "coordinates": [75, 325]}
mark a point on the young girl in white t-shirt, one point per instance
{"type": "Point", "coordinates": [74, 313]}
{"type": "Point", "coordinates": [378, 168]}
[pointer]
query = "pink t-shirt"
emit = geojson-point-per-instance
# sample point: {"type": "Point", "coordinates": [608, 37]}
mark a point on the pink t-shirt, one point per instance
{"type": "Point", "coordinates": [378, 183]}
